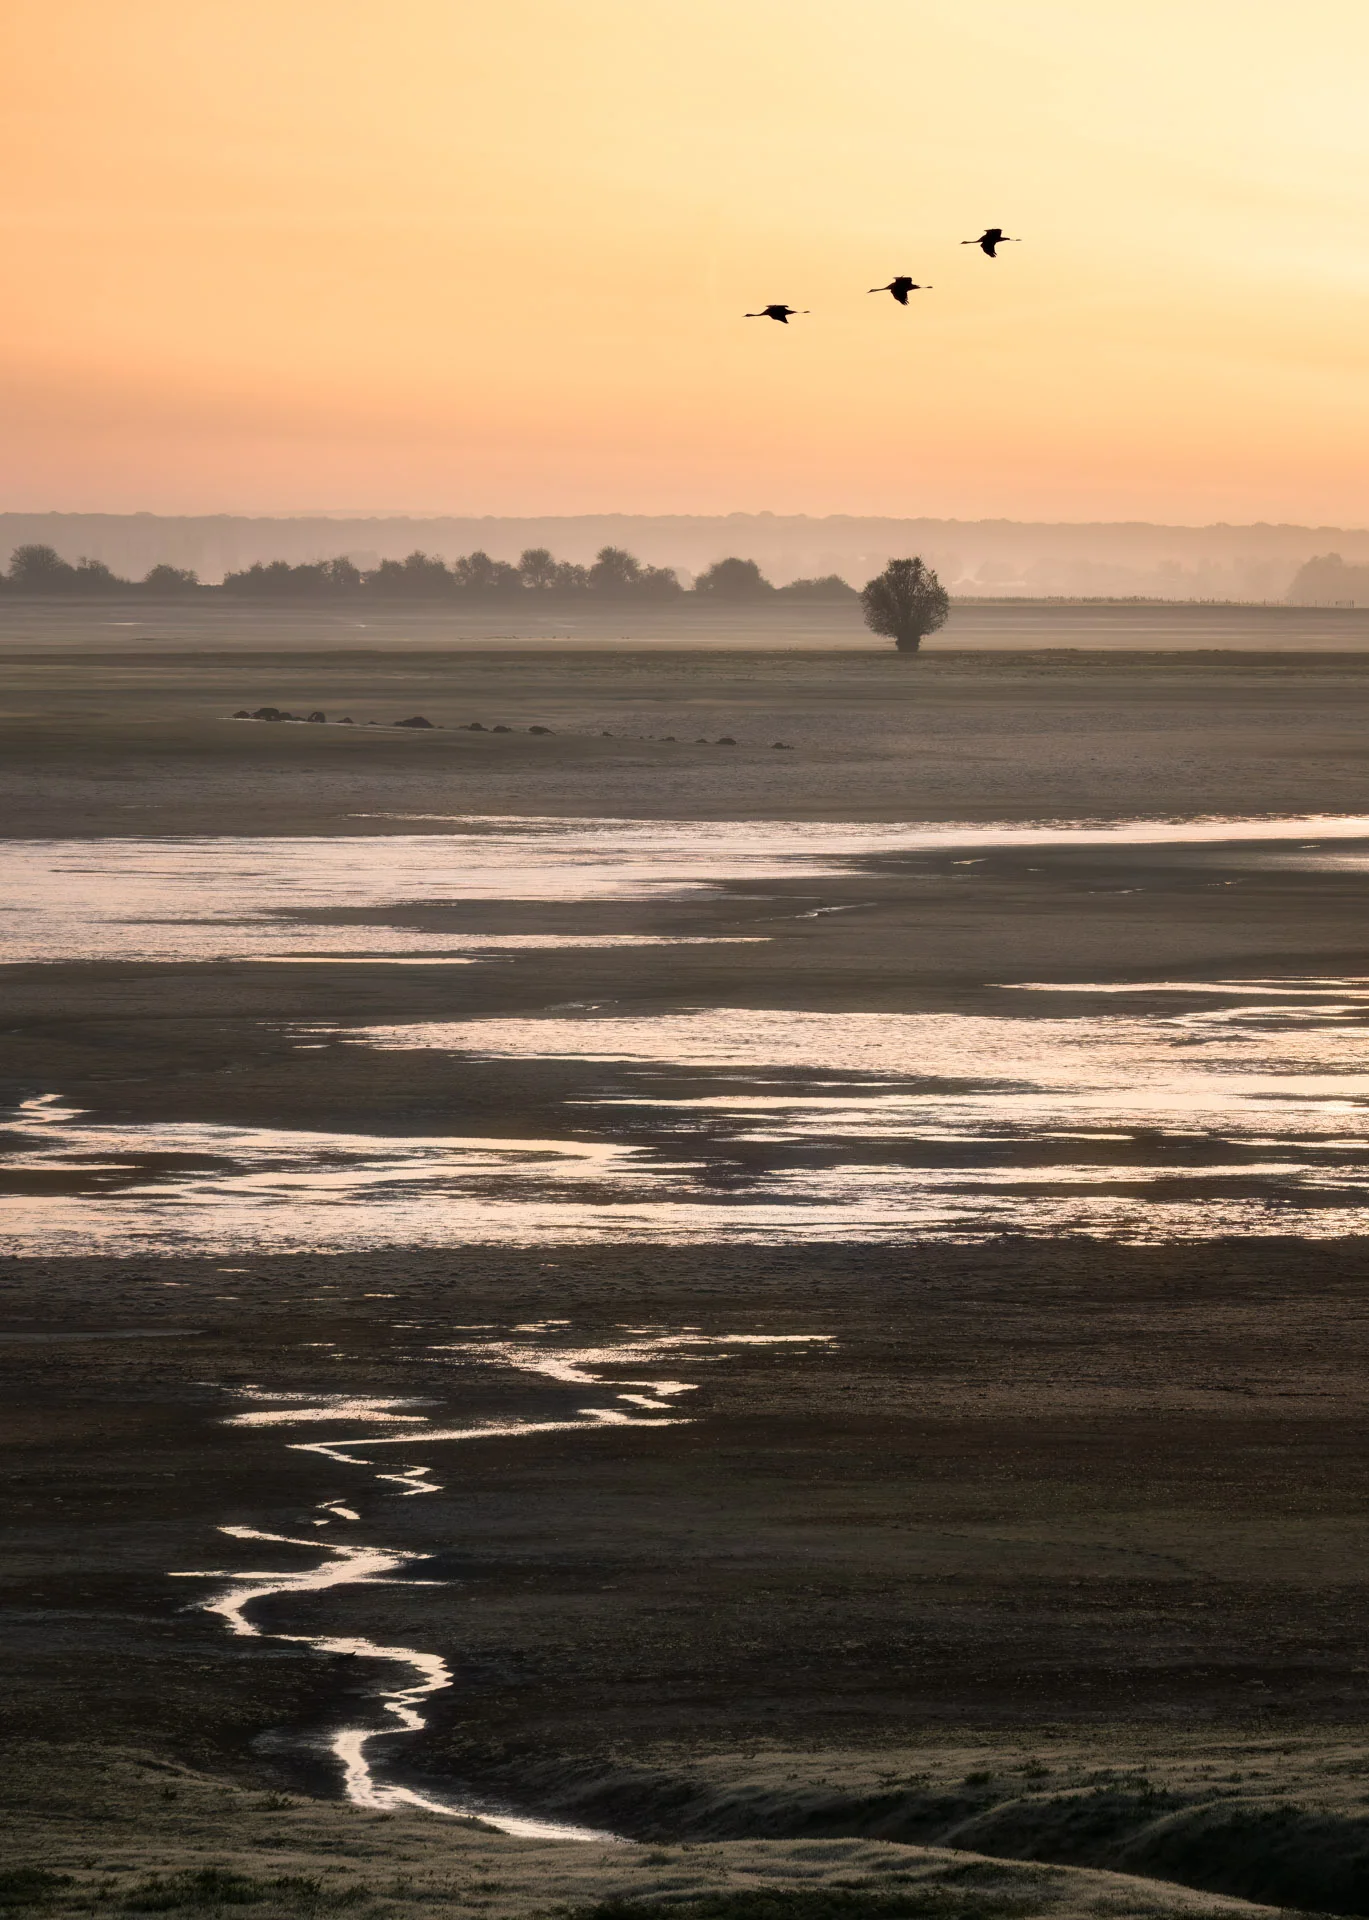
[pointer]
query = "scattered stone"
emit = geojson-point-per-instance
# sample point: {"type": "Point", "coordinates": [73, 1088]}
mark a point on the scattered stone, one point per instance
{"type": "Point", "coordinates": [667, 740]}
{"type": "Point", "coordinates": [242, 714]}
{"type": "Point", "coordinates": [501, 729]}
{"type": "Point", "coordinates": [316, 718]}
{"type": "Point", "coordinates": [268, 713]}
{"type": "Point", "coordinates": [416, 720]}
{"type": "Point", "coordinates": [606, 735]}
{"type": "Point", "coordinates": [476, 726]}
{"type": "Point", "coordinates": [701, 742]}
{"type": "Point", "coordinates": [539, 729]}
{"type": "Point", "coordinates": [781, 746]}
{"type": "Point", "coordinates": [726, 740]}
{"type": "Point", "coordinates": [346, 721]}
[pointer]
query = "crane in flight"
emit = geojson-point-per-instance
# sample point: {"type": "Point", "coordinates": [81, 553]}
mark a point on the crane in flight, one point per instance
{"type": "Point", "coordinates": [901, 288]}
{"type": "Point", "coordinates": [776, 311]}
{"type": "Point", "coordinates": [990, 240]}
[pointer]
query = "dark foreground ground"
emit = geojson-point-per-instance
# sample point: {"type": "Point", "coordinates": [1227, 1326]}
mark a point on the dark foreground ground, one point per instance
{"type": "Point", "coordinates": [1062, 1527]}
{"type": "Point", "coordinates": [1057, 1550]}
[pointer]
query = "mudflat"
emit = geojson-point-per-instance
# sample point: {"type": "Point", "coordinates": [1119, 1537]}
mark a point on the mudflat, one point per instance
{"type": "Point", "coordinates": [213, 622]}
{"type": "Point", "coordinates": [144, 742]}
{"type": "Point", "coordinates": [1034, 1544]}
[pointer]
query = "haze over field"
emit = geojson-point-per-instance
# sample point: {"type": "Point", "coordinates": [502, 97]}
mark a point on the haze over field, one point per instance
{"type": "Point", "coordinates": [985, 557]}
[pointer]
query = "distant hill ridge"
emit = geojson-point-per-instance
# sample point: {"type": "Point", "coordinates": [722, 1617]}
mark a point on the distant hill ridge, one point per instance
{"type": "Point", "coordinates": [1258, 562]}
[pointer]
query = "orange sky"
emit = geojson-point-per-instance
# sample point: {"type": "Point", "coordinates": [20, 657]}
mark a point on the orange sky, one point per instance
{"type": "Point", "coordinates": [492, 256]}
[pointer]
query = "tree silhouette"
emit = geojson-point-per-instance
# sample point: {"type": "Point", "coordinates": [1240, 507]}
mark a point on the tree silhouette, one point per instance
{"type": "Point", "coordinates": [38, 569]}
{"type": "Point", "coordinates": [733, 579]}
{"type": "Point", "coordinates": [537, 569]}
{"type": "Point", "coordinates": [277, 578]}
{"type": "Point", "coordinates": [622, 574]}
{"type": "Point", "coordinates": [343, 574]}
{"type": "Point", "coordinates": [166, 579]}
{"type": "Point", "coordinates": [905, 603]}
{"type": "Point", "coordinates": [830, 586]}
{"type": "Point", "coordinates": [473, 572]}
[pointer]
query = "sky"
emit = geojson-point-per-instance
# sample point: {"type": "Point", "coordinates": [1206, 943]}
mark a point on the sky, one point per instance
{"type": "Point", "coordinates": [492, 256]}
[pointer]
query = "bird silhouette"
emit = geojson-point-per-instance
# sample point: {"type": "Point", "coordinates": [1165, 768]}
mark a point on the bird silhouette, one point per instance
{"type": "Point", "coordinates": [901, 288]}
{"type": "Point", "coordinates": [989, 240]}
{"type": "Point", "coordinates": [776, 311]}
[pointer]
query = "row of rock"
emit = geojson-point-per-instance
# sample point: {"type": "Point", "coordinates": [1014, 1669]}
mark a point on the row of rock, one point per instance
{"type": "Point", "coordinates": [318, 718]}
{"type": "Point", "coordinates": [279, 713]}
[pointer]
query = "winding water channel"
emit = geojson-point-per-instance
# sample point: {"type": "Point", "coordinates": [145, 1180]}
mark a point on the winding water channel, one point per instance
{"type": "Point", "coordinates": [1145, 1112]}
{"type": "Point", "coordinates": [626, 1373]}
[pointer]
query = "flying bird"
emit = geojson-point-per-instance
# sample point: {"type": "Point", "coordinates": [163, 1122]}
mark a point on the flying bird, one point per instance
{"type": "Point", "coordinates": [776, 311]}
{"type": "Point", "coordinates": [989, 241]}
{"type": "Point", "coordinates": [901, 288]}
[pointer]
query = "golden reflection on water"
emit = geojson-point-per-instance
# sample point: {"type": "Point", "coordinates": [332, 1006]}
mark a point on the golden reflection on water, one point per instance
{"type": "Point", "coordinates": [211, 897]}
{"type": "Point", "coordinates": [1247, 1116]}
{"type": "Point", "coordinates": [1198, 1109]}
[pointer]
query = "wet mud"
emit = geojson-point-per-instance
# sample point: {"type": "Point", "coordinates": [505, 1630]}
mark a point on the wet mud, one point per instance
{"type": "Point", "coordinates": [999, 1480]}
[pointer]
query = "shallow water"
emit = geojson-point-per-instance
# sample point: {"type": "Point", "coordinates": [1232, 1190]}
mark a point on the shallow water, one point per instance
{"type": "Point", "coordinates": [209, 898]}
{"type": "Point", "coordinates": [1241, 1109]}
{"type": "Point", "coordinates": [543, 1349]}
{"type": "Point", "coordinates": [1192, 1110]}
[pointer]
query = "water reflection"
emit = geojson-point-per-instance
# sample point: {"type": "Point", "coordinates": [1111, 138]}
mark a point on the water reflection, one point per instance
{"type": "Point", "coordinates": [1230, 1112]}
{"type": "Point", "coordinates": [224, 898]}
{"type": "Point", "coordinates": [542, 1349]}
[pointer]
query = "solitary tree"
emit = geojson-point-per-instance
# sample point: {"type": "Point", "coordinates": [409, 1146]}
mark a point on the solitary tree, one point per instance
{"type": "Point", "coordinates": [905, 603]}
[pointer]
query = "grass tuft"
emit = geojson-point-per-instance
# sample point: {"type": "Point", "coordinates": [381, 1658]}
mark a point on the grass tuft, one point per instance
{"type": "Point", "coordinates": [214, 1887]}
{"type": "Point", "coordinates": [30, 1886]}
{"type": "Point", "coordinates": [823, 1903]}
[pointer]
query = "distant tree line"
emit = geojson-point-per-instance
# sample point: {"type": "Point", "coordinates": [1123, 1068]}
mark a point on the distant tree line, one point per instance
{"type": "Point", "coordinates": [614, 575]}
{"type": "Point", "coordinates": [903, 604]}
{"type": "Point", "coordinates": [1326, 580]}
{"type": "Point", "coordinates": [37, 569]}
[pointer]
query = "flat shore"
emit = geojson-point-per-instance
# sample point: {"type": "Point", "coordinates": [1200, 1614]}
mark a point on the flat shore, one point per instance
{"type": "Point", "coordinates": [144, 742]}
{"type": "Point", "coordinates": [1056, 1550]}
{"type": "Point", "coordinates": [226, 623]}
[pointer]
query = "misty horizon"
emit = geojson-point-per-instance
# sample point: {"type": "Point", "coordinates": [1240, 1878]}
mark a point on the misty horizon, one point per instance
{"type": "Point", "coordinates": [1036, 559]}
